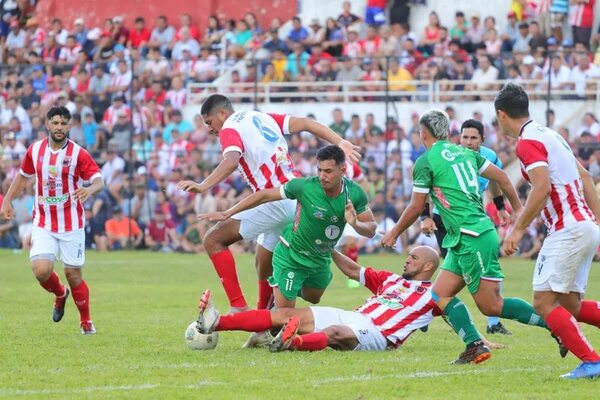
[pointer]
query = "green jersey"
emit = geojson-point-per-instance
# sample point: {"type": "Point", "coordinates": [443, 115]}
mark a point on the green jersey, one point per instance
{"type": "Point", "coordinates": [319, 220]}
{"type": "Point", "coordinates": [450, 174]}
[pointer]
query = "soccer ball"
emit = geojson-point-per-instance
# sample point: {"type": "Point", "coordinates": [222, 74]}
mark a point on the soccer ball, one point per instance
{"type": "Point", "coordinates": [200, 341]}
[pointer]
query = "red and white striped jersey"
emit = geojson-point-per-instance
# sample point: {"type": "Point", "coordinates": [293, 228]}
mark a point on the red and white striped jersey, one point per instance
{"type": "Point", "coordinates": [539, 146]}
{"type": "Point", "coordinates": [58, 173]}
{"type": "Point", "coordinates": [398, 306]}
{"type": "Point", "coordinates": [177, 98]}
{"type": "Point", "coordinates": [354, 172]}
{"type": "Point", "coordinates": [265, 162]}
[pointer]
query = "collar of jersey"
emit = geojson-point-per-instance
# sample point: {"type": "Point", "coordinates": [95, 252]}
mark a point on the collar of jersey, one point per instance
{"type": "Point", "coordinates": [56, 151]}
{"type": "Point", "coordinates": [524, 125]}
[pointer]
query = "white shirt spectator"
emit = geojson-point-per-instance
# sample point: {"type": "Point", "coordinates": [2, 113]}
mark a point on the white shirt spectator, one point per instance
{"type": "Point", "coordinates": [112, 169]}
{"type": "Point", "coordinates": [190, 44]}
{"type": "Point", "coordinates": [177, 98]}
{"type": "Point", "coordinates": [580, 77]}
{"type": "Point", "coordinates": [69, 55]}
{"type": "Point", "coordinates": [557, 78]}
{"type": "Point", "coordinates": [16, 41]}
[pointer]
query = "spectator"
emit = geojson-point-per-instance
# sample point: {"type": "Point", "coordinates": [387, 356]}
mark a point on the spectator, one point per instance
{"type": "Point", "coordinates": [139, 35]}
{"type": "Point", "coordinates": [111, 114]}
{"type": "Point", "coordinates": [537, 38]}
{"type": "Point", "coordinates": [298, 34]}
{"type": "Point", "coordinates": [348, 71]}
{"type": "Point", "coordinates": [475, 31]}
{"type": "Point", "coordinates": [582, 72]}
{"type": "Point", "coordinates": [431, 33]}
{"type": "Point", "coordinates": [355, 132]}
{"type": "Point", "coordinates": [370, 45]}
{"type": "Point", "coordinates": [590, 124]}
{"type": "Point", "coordinates": [185, 21]}
{"type": "Point", "coordinates": [375, 13]}
{"type": "Point", "coordinates": [339, 125]}
{"type": "Point", "coordinates": [185, 42]}
{"type": "Point", "coordinates": [122, 132]}
{"type": "Point", "coordinates": [80, 32]}
{"type": "Point", "coordinates": [160, 233]}
{"type": "Point", "coordinates": [275, 43]}
{"type": "Point", "coordinates": [12, 147]}
{"type": "Point", "coordinates": [178, 123]}
{"type": "Point", "coordinates": [58, 32]}
{"type": "Point", "coordinates": [70, 52]}
{"type": "Point", "coordinates": [493, 44]}
{"type": "Point", "coordinates": [112, 170]}
{"type": "Point", "coordinates": [352, 47]}
{"type": "Point", "coordinates": [193, 234]}
{"type": "Point", "coordinates": [560, 74]}
{"type": "Point", "coordinates": [118, 230]}
{"type": "Point", "coordinates": [459, 30]}
{"type": "Point", "coordinates": [521, 44]}
{"type": "Point", "coordinates": [162, 35]}
{"type": "Point", "coordinates": [297, 61]}
{"type": "Point", "coordinates": [16, 40]}
{"type": "Point", "coordinates": [334, 38]}
{"type": "Point", "coordinates": [582, 20]}
{"type": "Point", "coordinates": [347, 18]}
{"type": "Point", "coordinates": [485, 75]}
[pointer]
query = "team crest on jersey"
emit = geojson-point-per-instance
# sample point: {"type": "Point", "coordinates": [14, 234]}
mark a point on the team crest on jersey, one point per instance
{"type": "Point", "coordinates": [332, 232]}
{"type": "Point", "coordinates": [334, 219]}
{"type": "Point", "coordinates": [318, 214]}
{"type": "Point", "coordinates": [66, 161]}
{"type": "Point", "coordinates": [421, 289]}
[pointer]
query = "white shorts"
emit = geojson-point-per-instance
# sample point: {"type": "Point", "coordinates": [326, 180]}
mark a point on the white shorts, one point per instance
{"type": "Point", "coordinates": [69, 247]}
{"type": "Point", "coordinates": [369, 337]}
{"type": "Point", "coordinates": [565, 258]}
{"type": "Point", "coordinates": [266, 221]}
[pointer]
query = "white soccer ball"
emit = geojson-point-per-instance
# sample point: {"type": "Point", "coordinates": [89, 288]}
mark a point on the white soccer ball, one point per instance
{"type": "Point", "coordinates": [200, 341]}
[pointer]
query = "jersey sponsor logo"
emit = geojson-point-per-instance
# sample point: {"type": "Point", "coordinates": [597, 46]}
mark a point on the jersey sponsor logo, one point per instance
{"type": "Point", "coordinates": [53, 200]}
{"type": "Point", "coordinates": [52, 183]}
{"type": "Point", "coordinates": [318, 214]}
{"type": "Point", "coordinates": [440, 196]}
{"type": "Point", "coordinates": [238, 118]}
{"type": "Point", "coordinates": [334, 219]}
{"type": "Point", "coordinates": [450, 155]}
{"type": "Point", "coordinates": [332, 232]}
{"type": "Point", "coordinates": [363, 332]}
{"type": "Point", "coordinates": [267, 133]}
{"type": "Point", "coordinates": [52, 171]}
{"type": "Point", "coordinates": [392, 304]}
{"type": "Point", "coordinates": [290, 275]}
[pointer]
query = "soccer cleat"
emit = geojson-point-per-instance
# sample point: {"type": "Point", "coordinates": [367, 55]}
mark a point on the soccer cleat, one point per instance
{"type": "Point", "coordinates": [59, 306]}
{"type": "Point", "coordinates": [258, 340]}
{"type": "Point", "coordinates": [562, 350]}
{"type": "Point", "coordinates": [498, 328]}
{"type": "Point", "coordinates": [87, 328]}
{"type": "Point", "coordinates": [425, 328]}
{"type": "Point", "coordinates": [208, 316]}
{"type": "Point", "coordinates": [475, 353]}
{"type": "Point", "coordinates": [589, 370]}
{"type": "Point", "coordinates": [284, 338]}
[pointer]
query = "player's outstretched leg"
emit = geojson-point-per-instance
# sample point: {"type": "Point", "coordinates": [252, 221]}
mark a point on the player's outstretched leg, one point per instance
{"type": "Point", "coordinates": [285, 336]}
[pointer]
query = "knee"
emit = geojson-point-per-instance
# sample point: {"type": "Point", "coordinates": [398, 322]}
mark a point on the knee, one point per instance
{"type": "Point", "coordinates": [212, 241]}
{"type": "Point", "coordinates": [491, 309]}
{"type": "Point", "coordinates": [73, 276]}
{"type": "Point", "coordinates": [42, 272]}
{"type": "Point", "coordinates": [542, 306]}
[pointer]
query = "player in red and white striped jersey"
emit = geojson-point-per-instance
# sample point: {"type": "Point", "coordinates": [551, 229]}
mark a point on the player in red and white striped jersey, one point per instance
{"type": "Point", "coordinates": [254, 143]}
{"type": "Point", "coordinates": [564, 193]}
{"type": "Point", "coordinates": [60, 167]}
{"type": "Point", "coordinates": [399, 306]}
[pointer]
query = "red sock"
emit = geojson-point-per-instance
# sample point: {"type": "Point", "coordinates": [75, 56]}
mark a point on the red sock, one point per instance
{"type": "Point", "coordinates": [589, 313]}
{"type": "Point", "coordinates": [225, 267]}
{"type": "Point", "coordinates": [352, 253]}
{"type": "Point", "coordinates": [53, 285]}
{"type": "Point", "coordinates": [81, 296]}
{"type": "Point", "coordinates": [265, 294]}
{"type": "Point", "coordinates": [564, 325]}
{"type": "Point", "coordinates": [310, 342]}
{"type": "Point", "coordinates": [249, 321]}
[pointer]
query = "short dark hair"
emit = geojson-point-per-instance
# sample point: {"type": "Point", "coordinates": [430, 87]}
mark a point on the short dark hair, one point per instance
{"type": "Point", "coordinates": [473, 123]}
{"type": "Point", "coordinates": [331, 152]}
{"type": "Point", "coordinates": [61, 111]}
{"type": "Point", "coordinates": [513, 100]}
{"type": "Point", "coordinates": [215, 102]}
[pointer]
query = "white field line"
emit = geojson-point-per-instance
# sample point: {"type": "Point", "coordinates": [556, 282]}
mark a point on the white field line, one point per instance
{"type": "Point", "coordinates": [314, 382]}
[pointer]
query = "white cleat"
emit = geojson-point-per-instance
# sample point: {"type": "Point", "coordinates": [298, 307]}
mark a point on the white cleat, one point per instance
{"type": "Point", "coordinates": [258, 340]}
{"type": "Point", "coordinates": [208, 317]}
{"type": "Point", "coordinates": [87, 328]}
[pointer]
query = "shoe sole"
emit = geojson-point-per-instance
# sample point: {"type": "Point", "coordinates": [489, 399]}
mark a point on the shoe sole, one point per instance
{"type": "Point", "coordinates": [481, 358]}
{"type": "Point", "coordinates": [62, 314]}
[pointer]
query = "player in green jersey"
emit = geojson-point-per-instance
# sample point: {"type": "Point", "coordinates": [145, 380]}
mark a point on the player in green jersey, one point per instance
{"type": "Point", "coordinates": [301, 261]}
{"type": "Point", "coordinates": [450, 174]}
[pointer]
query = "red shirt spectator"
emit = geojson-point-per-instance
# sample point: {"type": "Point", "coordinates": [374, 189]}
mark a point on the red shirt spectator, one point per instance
{"type": "Point", "coordinates": [140, 35]}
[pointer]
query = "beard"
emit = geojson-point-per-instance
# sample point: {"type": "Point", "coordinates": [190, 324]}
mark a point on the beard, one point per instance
{"type": "Point", "coordinates": [63, 140]}
{"type": "Point", "coordinates": [409, 275]}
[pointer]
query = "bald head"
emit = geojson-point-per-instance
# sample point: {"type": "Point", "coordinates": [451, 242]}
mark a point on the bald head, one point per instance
{"type": "Point", "coordinates": [421, 264]}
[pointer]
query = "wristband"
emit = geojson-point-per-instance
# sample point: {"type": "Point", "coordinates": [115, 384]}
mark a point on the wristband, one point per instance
{"type": "Point", "coordinates": [499, 202]}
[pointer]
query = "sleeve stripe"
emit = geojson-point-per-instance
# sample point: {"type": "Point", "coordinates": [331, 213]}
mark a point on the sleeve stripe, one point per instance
{"type": "Point", "coordinates": [535, 165]}
{"type": "Point", "coordinates": [96, 175]}
{"type": "Point", "coordinates": [420, 190]}
{"type": "Point", "coordinates": [26, 175]}
{"type": "Point", "coordinates": [286, 125]}
{"type": "Point", "coordinates": [486, 164]}
{"type": "Point", "coordinates": [282, 192]}
{"type": "Point", "coordinates": [361, 276]}
{"type": "Point", "coordinates": [232, 148]}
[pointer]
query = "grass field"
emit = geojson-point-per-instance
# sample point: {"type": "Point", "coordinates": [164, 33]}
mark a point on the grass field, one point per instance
{"type": "Point", "coordinates": [142, 303]}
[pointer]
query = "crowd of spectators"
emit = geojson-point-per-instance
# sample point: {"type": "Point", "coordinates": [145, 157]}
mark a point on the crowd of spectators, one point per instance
{"type": "Point", "coordinates": [126, 87]}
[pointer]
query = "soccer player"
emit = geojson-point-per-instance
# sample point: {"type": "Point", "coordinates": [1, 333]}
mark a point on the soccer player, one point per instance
{"type": "Point", "coordinates": [399, 306]}
{"type": "Point", "coordinates": [60, 166]}
{"type": "Point", "coordinates": [471, 137]}
{"type": "Point", "coordinates": [254, 143]}
{"type": "Point", "coordinates": [301, 261]}
{"type": "Point", "coordinates": [563, 192]}
{"type": "Point", "coordinates": [451, 173]}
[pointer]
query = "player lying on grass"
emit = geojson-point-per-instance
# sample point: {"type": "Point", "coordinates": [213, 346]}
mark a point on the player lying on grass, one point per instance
{"type": "Point", "coordinates": [400, 304]}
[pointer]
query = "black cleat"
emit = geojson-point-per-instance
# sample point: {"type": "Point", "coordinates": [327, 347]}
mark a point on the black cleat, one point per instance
{"type": "Point", "coordinates": [425, 328]}
{"type": "Point", "coordinates": [498, 328]}
{"type": "Point", "coordinates": [562, 350]}
{"type": "Point", "coordinates": [59, 306]}
{"type": "Point", "coordinates": [475, 353]}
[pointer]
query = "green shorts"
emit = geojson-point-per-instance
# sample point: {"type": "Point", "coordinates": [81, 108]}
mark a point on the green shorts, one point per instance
{"type": "Point", "coordinates": [475, 258]}
{"type": "Point", "coordinates": [290, 277]}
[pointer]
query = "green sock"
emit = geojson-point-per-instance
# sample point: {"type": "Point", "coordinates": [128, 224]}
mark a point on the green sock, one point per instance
{"type": "Point", "coordinates": [522, 311]}
{"type": "Point", "coordinates": [460, 320]}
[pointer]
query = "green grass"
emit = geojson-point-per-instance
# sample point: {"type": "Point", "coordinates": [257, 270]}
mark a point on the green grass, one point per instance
{"type": "Point", "coordinates": [142, 303]}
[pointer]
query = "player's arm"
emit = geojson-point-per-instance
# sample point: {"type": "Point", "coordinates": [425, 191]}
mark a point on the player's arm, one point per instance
{"type": "Point", "coordinates": [300, 124]}
{"type": "Point", "coordinates": [408, 217]}
{"type": "Point", "coordinates": [540, 190]}
{"type": "Point", "coordinates": [364, 223]}
{"type": "Point", "coordinates": [83, 193]}
{"type": "Point", "coordinates": [255, 199]}
{"type": "Point", "coordinates": [16, 187]}
{"type": "Point", "coordinates": [346, 265]}
{"type": "Point", "coordinates": [230, 162]}
{"type": "Point", "coordinates": [589, 191]}
{"type": "Point", "coordinates": [498, 176]}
